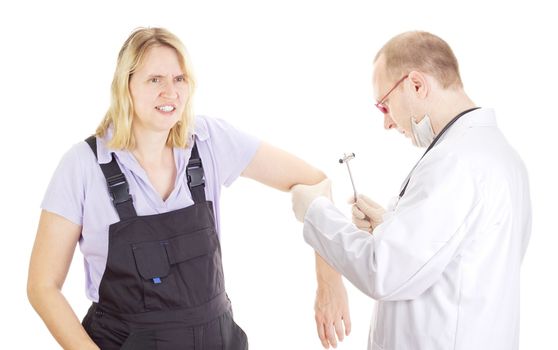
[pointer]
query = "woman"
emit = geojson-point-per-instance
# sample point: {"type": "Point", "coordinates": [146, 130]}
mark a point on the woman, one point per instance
{"type": "Point", "coordinates": [142, 200]}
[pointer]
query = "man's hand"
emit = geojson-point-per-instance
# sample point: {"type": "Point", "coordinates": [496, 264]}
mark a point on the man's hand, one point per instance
{"type": "Point", "coordinates": [304, 195]}
{"type": "Point", "coordinates": [367, 214]}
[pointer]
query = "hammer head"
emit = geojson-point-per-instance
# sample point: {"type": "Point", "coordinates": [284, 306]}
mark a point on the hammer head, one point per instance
{"type": "Point", "coordinates": [346, 157]}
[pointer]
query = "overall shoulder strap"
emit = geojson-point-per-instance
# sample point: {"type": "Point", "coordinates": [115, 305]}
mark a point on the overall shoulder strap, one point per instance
{"type": "Point", "coordinates": [195, 176]}
{"type": "Point", "coordinates": [117, 185]}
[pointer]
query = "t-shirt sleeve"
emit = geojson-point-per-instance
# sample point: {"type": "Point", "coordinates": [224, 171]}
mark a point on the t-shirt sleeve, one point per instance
{"type": "Point", "coordinates": [233, 149]}
{"type": "Point", "coordinates": [66, 191]}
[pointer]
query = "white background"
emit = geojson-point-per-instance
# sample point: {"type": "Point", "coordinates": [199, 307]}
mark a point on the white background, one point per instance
{"type": "Point", "coordinates": [298, 75]}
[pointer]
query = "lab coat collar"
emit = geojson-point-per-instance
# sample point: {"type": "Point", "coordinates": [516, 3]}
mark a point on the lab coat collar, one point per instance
{"type": "Point", "coordinates": [482, 117]}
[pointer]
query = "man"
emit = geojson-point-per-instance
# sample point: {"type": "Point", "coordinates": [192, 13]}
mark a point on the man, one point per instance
{"type": "Point", "coordinates": [444, 260]}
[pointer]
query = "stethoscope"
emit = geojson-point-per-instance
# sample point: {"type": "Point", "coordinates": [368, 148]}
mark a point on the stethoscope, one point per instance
{"type": "Point", "coordinates": [448, 125]}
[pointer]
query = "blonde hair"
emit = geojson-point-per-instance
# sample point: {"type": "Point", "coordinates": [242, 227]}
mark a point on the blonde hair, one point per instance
{"type": "Point", "coordinates": [424, 52]}
{"type": "Point", "coordinates": [121, 110]}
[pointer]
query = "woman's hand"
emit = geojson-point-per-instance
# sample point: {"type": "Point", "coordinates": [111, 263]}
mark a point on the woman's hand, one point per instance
{"type": "Point", "coordinates": [331, 308]}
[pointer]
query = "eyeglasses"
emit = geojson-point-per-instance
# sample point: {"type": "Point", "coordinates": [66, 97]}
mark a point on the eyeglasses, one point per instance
{"type": "Point", "coordinates": [380, 104]}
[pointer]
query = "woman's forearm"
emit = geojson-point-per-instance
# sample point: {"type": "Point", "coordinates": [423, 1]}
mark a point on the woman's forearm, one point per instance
{"type": "Point", "coordinates": [325, 273]}
{"type": "Point", "coordinates": [59, 317]}
{"type": "Point", "coordinates": [50, 260]}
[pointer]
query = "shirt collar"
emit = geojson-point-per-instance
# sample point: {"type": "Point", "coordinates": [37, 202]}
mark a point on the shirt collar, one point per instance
{"type": "Point", "coordinates": [104, 153]}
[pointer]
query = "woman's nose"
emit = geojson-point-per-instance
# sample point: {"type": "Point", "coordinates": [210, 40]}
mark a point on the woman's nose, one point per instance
{"type": "Point", "coordinates": [169, 91]}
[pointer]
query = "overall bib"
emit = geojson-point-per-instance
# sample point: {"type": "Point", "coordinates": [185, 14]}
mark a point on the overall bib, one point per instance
{"type": "Point", "coordinates": [163, 286]}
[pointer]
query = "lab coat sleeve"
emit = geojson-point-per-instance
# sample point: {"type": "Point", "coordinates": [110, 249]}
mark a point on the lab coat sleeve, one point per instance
{"type": "Point", "coordinates": [409, 251]}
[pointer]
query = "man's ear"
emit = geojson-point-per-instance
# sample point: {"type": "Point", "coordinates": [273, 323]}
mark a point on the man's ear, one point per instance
{"type": "Point", "coordinates": [419, 84]}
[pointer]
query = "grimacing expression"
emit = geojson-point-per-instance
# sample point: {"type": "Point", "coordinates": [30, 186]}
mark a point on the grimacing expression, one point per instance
{"type": "Point", "coordinates": [159, 90]}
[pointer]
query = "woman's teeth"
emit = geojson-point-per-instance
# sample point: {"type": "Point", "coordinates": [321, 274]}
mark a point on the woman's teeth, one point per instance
{"type": "Point", "coordinates": [165, 108]}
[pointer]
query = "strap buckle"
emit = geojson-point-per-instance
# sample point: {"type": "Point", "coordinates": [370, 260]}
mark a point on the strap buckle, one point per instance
{"type": "Point", "coordinates": [118, 189]}
{"type": "Point", "coordinates": [195, 174]}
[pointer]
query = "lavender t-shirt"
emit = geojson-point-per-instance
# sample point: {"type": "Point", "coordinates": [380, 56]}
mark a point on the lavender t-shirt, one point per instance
{"type": "Point", "coordinates": [78, 190]}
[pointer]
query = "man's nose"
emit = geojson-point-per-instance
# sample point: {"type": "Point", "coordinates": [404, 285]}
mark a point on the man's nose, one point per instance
{"type": "Point", "coordinates": [388, 122]}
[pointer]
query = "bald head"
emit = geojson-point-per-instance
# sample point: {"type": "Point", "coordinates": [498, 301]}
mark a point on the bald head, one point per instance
{"type": "Point", "coordinates": [423, 52]}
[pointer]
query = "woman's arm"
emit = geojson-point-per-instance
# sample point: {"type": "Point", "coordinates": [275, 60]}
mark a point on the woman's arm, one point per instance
{"type": "Point", "coordinates": [50, 260]}
{"type": "Point", "coordinates": [281, 170]}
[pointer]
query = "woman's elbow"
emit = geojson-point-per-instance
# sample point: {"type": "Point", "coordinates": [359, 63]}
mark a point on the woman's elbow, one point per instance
{"type": "Point", "coordinates": [33, 292]}
{"type": "Point", "coordinates": [38, 291]}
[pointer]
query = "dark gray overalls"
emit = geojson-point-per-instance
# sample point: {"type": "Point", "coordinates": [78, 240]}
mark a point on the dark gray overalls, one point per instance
{"type": "Point", "coordinates": [163, 286]}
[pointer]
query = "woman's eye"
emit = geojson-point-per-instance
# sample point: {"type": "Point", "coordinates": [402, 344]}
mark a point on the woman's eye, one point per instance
{"type": "Point", "coordinates": [180, 78]}
{"type": "Point", "coordinates": [154, 80]}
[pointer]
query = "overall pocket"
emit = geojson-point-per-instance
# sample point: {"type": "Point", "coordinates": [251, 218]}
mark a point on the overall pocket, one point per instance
{"type": "Point", "coordinates": [159, 286]}
{"type": "Point", "coordinates": [181, 271]}
{"type": "Point", "coordinates": [106, 332]}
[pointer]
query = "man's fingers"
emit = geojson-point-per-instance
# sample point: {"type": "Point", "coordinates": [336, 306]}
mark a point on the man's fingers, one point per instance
{"type": "Point", "coordinates": [357, 213]}
{"type": "Point", "coordinates": [369, 201]}
{"type": "Point", "coordinates": [364, 206]}
{"type": "Point", "coordinates": [372, 211]}
{"type": "Point", "coordinates": [364, 225]}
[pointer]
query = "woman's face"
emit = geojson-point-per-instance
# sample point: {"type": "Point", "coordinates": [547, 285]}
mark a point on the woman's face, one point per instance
{"type": "Point", "coordinates": [159, 90]}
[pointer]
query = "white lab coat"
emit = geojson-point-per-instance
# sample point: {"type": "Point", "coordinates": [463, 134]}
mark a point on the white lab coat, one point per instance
{"type": "Point", "coordinates": [444, 265]}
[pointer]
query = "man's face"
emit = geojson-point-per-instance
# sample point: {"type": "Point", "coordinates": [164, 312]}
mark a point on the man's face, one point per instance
{"type": "Point", "coordinates": [398, 115]}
